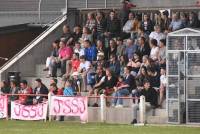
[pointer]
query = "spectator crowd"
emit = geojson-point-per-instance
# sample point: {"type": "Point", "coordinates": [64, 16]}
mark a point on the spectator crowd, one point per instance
{"type": "Point", "coordinates": [111, 55]}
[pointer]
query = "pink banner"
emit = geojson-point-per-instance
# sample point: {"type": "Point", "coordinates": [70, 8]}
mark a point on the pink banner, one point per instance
{"type": "Point", "coordinates": [3, 107]}
{"type": "Point", "coordinates": [30, 112]}
{"type": "Point", "coordinates": [70, 106]}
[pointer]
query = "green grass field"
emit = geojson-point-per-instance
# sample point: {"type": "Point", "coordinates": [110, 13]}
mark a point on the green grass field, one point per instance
{"type": "Point", "coordinates": [35, 127]}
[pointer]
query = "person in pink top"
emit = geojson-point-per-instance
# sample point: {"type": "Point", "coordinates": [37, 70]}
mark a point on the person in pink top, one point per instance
{"type": "Point", "coordinates": [65, 54]}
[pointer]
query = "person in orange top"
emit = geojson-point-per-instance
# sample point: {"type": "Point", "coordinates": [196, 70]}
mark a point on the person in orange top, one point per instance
{"type": "Point", "coordinates": [25, 89]}
{"type": "Point", "coordinates": [73, 65]}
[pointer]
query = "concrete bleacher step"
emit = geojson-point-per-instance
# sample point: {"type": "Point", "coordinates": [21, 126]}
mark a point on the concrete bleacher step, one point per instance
{"type": "Point", "coordinates": [40, 73]}
{"type": "Point", "coordinates": [157, 119]}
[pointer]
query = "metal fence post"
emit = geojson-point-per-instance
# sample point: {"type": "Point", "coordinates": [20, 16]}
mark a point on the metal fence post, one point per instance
{"type": "Point", "coordinates": [49, 105]}
{"type": "Point", "coordinates": [142, 110]}
{"type": "Point", "coordinates": [103, 107]}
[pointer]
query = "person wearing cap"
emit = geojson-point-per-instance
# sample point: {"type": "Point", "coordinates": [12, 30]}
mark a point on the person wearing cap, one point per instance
{"type": "Point", "coordinates": [25, 89]}
{"type": "Point", "coordinates": [151, 99]}
{"type": "Point", "coordinates": [40, 89]}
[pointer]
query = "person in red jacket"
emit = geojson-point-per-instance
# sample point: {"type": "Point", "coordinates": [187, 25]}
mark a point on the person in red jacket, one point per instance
{"type": "Point", "coordinates": [25, 89]}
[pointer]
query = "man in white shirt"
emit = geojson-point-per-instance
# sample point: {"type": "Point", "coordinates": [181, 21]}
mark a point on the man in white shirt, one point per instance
{"type": "Point", "coordinates": [156, 34]}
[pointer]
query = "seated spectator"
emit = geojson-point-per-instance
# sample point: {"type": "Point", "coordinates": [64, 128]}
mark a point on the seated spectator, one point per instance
{"type": "Point", "coordinates": [147, 24]}
{"type": "Point", "coordinates": [176, 23]}
{"type": "Point", "coordinates": [78, 49]}
{"type": "Point", "coordinates": [90, 51]}
{"type": "Point", "coordinates": [167, 21]}
{"type": "Point", "coordinates": [39, 90]}
{"type": "Point", "coordinates": [114, 65]}
{"type": "Point", "coordinates": [143, 48]}
{"type": "Point", "coordinates": [163, 84]}
{"type": "Point", "coordinates": [157, 34]}
{"type": "Point", "coordinates": [100, 49]}
{"type": "Point", "coordinates": [130, 49]}
{"type": "Point", "coordinates": [86, 35]}
{"type": "Point", "coordinates": [67, 35]}
{"type": "Point", "coordinates": [52, 60]}
{"type": "Point", "coordinates": [120, 47]}
{"type": "Point", "coordinates": [158, 21]}
{"type": "Point", "coordinates": [54, 90]}
{"type": "Point", "coordinates": [154, 54]}
{"type": "Point", "coordinates": [142, 76]}
{"type": "Point", "coordinates": [4, 87]}
{"type": "Point", "coordinates": [77, 33]}
{"type": "Point", "coordinates": [123, 63]}
{"type": "Point", "coordinates": [109, 83]}
{"type": "Point", "coordinates": [123, 88]}
{"type": "Point", "coordinates": [193, 20]}
{"type": "Point", "coordinates": [154, 77]}
{"type": "Point", "coordinates": [162, 53]}
{"type": "Point", "coordinates": [65, 54]}
{"type": "Point", "coordinates": [184, 19]}
{"type": "Point", "coordinates": [83, 70]}
{"type": "Point", "coordinates": [14, 89]}
{"type": "Point", "coordinates": [112, 49]}
{"type": "Point", "coordinates": [76, 82]}
{"type": "Point", "coordinates": [100, 25]}
{"type": "Point", "coordinates": [91, 22]}
{"type": "Point", "coordinates": [73, 65]}
{"type": "Point", "coordinates": [150, 97]}
{"type": "Point", "coordinates": [140, 33]}
{"type": "Point", "coordinates": [113, 26]}
{"type": "Point", "coordinates": [135, 64]}
{"type": "Point", "coordinates": [25, 89]}
{"type": "Point", "coordinates": [68, 90]}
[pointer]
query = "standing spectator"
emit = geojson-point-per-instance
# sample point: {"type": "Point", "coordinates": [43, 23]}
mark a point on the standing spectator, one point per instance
{"type": "Point", "coordinates": [176, 23]}
{"type": "Point", "coordinates": [163, 84]}
{"type": "Point", "coordinates": [91, 22]}
{"type": "Point", "coordinates": [52, 60]}
{"type": "Point", "coordinates": [101, 25]}
{"type": "Point", "coordinates": [39, 90]}
{"type": "Point", "coordinates": [150, 97]}
{"type": "Point", "coordinates": [65, 54]}
{"type": "Point", "coordinates": [126, 6]}
{"type": "Point", "coordinates": [157, 34]}
{"type": "Point", "coordinates": [25, 89]}
{"type": "Point", "coordinates": [131, 48]}
{"type": "Point", "coordinates": [113, 26]}
{"type": "Point", "coordinates": [154, 54]}
{"type": "Point", "coordinates": [4, 87]}
{"type": "Point", "coordinates": [147, 24]}
{"type": "Point", "coordinates": [90, 51]}
{"type": "Point", "coordinates": [68, 90]}
{"type": "Point", "coordinates": [162, 53]}
{"type": "Point", "coordinates": [14, 89]}
{"type": "Point", "coordinates": [143, 48]}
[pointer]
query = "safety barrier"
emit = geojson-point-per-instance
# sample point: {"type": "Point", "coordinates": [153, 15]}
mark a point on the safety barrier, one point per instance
{"type": "Point", "coordinates": [58, 106]}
